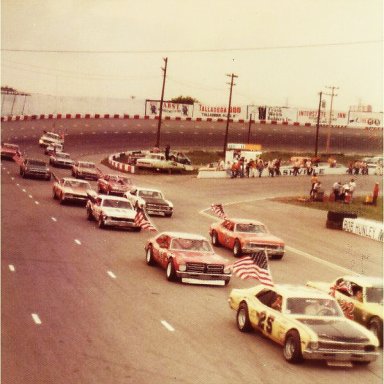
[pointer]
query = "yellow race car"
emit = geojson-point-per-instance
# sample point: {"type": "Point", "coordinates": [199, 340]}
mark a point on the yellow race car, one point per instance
{"type": "Point", "coordinates": [308, 323]}
{"type": "Point", "coordinates": [360, 297]}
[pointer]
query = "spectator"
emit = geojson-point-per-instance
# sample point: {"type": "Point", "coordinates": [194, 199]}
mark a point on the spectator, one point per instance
{"type": "Point", "coordinates": [352, 187]}
{"type": "Point", "coordinates": [364, 168]}
{"type": "Point", "coordinates": [277, 167]}
{"type": "Point", "coordinates": [251, 168]}
{"type": "Point", "coordinates": [318, 192]}
{"type": "Point", "coordinates": [220, 165]}
{"type": "Point", "coordinates": [235, 169]}
{"type": "Point", "coordinates": [167, 150]}
{"type": "Point", "coordinates": [314, 180]}
{"type": "Point", "coordinates": [271, 168]}
{"type": "Point", "coordinates": [350, 168]}
{"type": "Point", "coordinates": [260, 166]}
{"type": "Point", "coordinates": [356, 167]}
{"type": "Point", "coordinates": [308, 166]}
{"type": "Point", "coordinates": [296, 167]}
{"type": "Point", "coordinates": [375, 194]}
{"type": "Point", "coordinates": [336, 189]}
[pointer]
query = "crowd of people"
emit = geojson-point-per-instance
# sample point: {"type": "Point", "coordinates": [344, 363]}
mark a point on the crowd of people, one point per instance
{"type": "Point", "coordinates": [357, 167]}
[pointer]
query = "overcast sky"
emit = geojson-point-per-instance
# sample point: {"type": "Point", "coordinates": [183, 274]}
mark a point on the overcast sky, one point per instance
{"type": "Point", "coordinates": [284, 52]}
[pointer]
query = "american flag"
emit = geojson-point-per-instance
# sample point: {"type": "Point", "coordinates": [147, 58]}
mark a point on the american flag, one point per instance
{"type": "Point", "coordinates": [254, 266]}
{"type": "Point", "coordinates": [344, 286]}
{"type": "Point", "coordinates": [141, 220]}
{"type": "Point", "coordinates": [218, 210]}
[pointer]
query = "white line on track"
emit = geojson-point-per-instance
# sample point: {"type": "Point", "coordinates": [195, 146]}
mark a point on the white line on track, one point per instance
{"type": "Point", "coordinates": [30, 196]}
{"type": "Point", "coordinates": [4, 169]}
{"type": "Point", "coordinates": [167, 325]}
{"type": "Point", "coordinates": [8, 173]}
{"type": "Point", "coordinates": [36, 318]}
{"type": "Point", "coordinates": [78, 242]}
{"type": "Point", "coordinates": [11, 268]}
{"type": "Point", "coordinates": [53, 219]}
{"type": "Point", "coordinates": [36, 202]}
{"type": "Point", "coordinates": [111, 274]}
{"type": "Point", "coordinates": [18, 184]}
{"type": "Point", "coordinates": [12, 178]}
{"type": "Point", "coordinates": [24, 190]}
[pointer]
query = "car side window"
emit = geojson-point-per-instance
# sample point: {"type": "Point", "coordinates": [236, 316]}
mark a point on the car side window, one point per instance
{"type": "Point", "coordinates": [266, 296]}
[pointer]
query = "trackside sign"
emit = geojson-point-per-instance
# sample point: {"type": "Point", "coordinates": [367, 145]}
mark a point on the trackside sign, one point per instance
{"type": "Point", "coordinates": [363, 227]}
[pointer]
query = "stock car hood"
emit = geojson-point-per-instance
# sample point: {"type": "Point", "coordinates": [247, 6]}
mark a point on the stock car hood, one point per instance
{"type": "Point", "coordinates": [92, 171]}
{"type": "Point", "coordinates": [266, 238]}
{"type": "Point", "coordinates": [335, 329]}
{"type": "Point", "coordinates": [77, 191]}
{"type": "Point", "coordinates": [151, 200]}
{"type": "Point", "coordinates": [119, 186]}
{"type": "Point", "coordinates": [119, 212]}
{"type": "Point", "coordinates": [199, 257]}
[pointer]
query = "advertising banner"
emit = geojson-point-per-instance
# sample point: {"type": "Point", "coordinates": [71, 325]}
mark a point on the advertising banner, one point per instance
{"type": "Point", "coordinates": [218, 112]}
{"type": "Point", "coordinates": [170, 109]}
{"type": "Point", "coordinates": [282, 114]}
{"type": "Point", "coordinates": [365, 119]}
{"type": "Point", "coordinates": [310, 116]}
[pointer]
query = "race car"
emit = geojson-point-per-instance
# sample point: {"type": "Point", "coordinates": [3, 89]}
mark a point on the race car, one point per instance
{"type": "Point", "coordinates": [309, 324]}
{"type": "Point", "coordinates": [246, 236]}
{"type": "Point", "coordinates": [114, 211]}
{"type": "Point", "coordinates": [85, 170]}
{"type": "Point", "coordinates": [35, 168]}
{"type": "Point", "coordinates": [114, 184]}
{"type": "Point", "coordinates": [361, 298]}
{"type": "Point", "coordinates": [187, 257]}
{"type": "Point", "coordinates": [69, 189]}
{"type": "Point", "coordinates": [61, 159]}
{"type": "Point", "coordinates": [50, 138]}
{"type": "Point", "coordinates": [9, 151]}
{"type": "Point", "coordinates": [152, 200]}
{"type": "Point", "coordinates": [53, 148]}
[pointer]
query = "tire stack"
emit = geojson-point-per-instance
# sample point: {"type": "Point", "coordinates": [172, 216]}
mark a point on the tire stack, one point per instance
{"type": "Point", "coordinates": [335, 219]}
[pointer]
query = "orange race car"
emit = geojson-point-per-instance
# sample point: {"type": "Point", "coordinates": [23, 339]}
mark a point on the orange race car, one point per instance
{"type": "Point", "coordinates": [246, 236]}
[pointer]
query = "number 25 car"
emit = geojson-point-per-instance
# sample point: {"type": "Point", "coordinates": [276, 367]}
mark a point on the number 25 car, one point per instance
{"type": "Point", "coordinates": [309, 324]}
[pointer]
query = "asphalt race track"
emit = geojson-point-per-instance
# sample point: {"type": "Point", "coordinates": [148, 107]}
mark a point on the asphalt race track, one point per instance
{"type": "Point", "coordinates": [80, 305]}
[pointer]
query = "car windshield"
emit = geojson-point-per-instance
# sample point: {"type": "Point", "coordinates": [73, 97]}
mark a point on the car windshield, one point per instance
{"type": "Point", "coordinates": [52, 136]}
{"type": "Point", "coordinates": [150, 194]}
{"type": "Point", "coordinates": [36, 162]}
{"type": "Point", "coordinates": [62, 155]}
{"type": "Point", "coordinates": [191, 245]}
{"type": "Point", "coordinates": [251, 228]}
{"type": "Point", "coordinates": [374, 295]}
{"type": "Point", "coordinates": [117, 204]}
{"type": "Point", "coordinates": [120, 179]}
{"type": "Point", "coordinates": [87, 165]}
{"type": "Point", "coordinates": [77, 184]}
{"type": "Point", "coordinates": [313, 307]}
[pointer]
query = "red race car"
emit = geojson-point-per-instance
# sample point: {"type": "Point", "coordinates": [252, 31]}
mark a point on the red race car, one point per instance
{"type": "Point", "coordinates": [9, 151]}
{"type": "Point", "coordinates": [114, 184]}
{"type": "Point", "coordinates": [188, 257]}
{"type": "Point", "coordinates": [246, 236]}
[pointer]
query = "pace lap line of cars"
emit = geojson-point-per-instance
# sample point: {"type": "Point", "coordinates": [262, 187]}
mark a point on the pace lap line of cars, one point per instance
{"type": "Point", "coordinates": [309, 322]}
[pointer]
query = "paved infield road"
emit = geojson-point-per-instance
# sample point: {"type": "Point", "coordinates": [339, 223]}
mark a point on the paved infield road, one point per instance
{"type": "Point", "coordinates": [80, 305]}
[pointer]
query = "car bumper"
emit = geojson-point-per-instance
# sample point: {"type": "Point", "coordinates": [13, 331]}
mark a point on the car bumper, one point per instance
{"type": "Point", "coordinates": [203, 278]}
{"type": "Point", "coordinates": [333, 355]}
{"type": "Point", "coordinates": [39, 175]}
{"type": "Point", "coordinates": [119, 223]}
{"type": "Point", "coordinates": [270, 251]}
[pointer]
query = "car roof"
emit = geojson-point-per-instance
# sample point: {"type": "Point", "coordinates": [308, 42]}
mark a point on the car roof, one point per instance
{"type": "Point", "coordinates": [292, 290]}
{"type": "Point", "coordinates": [62, 153]}
{"type": "Point", "coordinates": [245, 221]}
{"type": "Point", "coordinates": [110, 197]}
{"type": "Point", "coordinates": [192, 236]}
{"type": "Point", "coordinates": [365, 281]}
{"type": "Point", "coordinates": [147, 189]}
{"type": "Point", "coordinates": [10, 145]}
{"type": "Point", "coordinates": [86, 162]}
{"type": "Point", "coordinates": [73, 179]}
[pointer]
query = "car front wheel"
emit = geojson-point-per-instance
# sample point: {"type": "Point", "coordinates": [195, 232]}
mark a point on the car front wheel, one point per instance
{"type": "Point", "coordinates": [376, 326]}
{"type": "Point", "coordinates": [149, 256]}
{"type": "Point", "coordinates": [237, 248]}
{"type": "Point", "coordinates": [170, 272]}
{"type": "Point", "coordinates": [292, 349]}
{"type": "Point", "coordinates": [242, 318]}
{"type": "Point", "coordinates": [101, 222]}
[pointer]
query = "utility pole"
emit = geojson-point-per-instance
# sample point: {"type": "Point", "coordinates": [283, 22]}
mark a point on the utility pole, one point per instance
{"type": "Point", "coordinates": [332, 94]}
{"type": "Point", "coordinates": [161, 103]}
{"type": "Point", "coordinates": [229, 109]}
{"type": "Point", "coordinates": [318, 125]}
{"type": "Point", "coordinates": [249, 127]}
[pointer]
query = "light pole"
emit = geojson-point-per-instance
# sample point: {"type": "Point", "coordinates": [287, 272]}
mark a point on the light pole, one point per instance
{"type": "Point", "coordinates": [161, 104]}
{"type": "Point", "coordinates": [249, 128]}
{"type": "Point", "coordinates": [318, 125]}
{"type": "Point", "coordinates": [332, 94]}
{"type": "Point", "coordinates": [229, 109]}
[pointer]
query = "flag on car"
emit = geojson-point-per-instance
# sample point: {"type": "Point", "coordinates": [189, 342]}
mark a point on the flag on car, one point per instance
{"type": "Point", "coordinates": [343, 286]}
{"type": "Point", "coordinates": [141, 220]}
{"type": "Point", "coordinates": [218, 210]}
{"type": "Point", "coordinates": [254, 266]}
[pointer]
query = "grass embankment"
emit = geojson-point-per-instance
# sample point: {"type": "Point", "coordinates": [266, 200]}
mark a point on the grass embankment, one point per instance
{"type": "Point", "coordinates": [371, 212]}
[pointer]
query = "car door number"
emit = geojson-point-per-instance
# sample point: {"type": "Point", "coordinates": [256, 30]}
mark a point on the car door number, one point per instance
{"type": "Point", "coordinates": [265, 322]}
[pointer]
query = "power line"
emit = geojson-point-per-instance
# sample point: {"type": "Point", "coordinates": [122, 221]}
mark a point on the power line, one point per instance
{"type": "Point", "coordinates": [157, 51]}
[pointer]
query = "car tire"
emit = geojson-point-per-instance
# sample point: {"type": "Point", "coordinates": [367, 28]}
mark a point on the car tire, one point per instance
{"type": "Point", "coordinates": [292, 348]}
{"type": "Point", "coordinates": [149, 256]}
{"type": "Point", "coordinates": [215, 239]}
{"type": "Point", "coordinates": [54, 194]}
{"type": "Point", "coordinates": [242, 318]}
{"type": "Point", "coordinates": [237, 252]}
{"type": "Point", "coordinates": [277, 257]}
{"type": "Point", "coordinates": [375, 325]}
{"type": "Point", "coordinates": [48, 178]}
{"type": "Point", "coordinates": [168, 214]}
{"type": "Point", "coordinates": [101, 223]}
{"type": "Point", "coordinates": [61, 198]}
{"type": "Point", "coordinates": [170, 271]}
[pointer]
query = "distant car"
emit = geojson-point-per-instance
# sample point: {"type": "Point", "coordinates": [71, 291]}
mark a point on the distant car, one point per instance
{"type": "Point", "coordinates": [374, 161]}
{"type": "Point", "coordinates": [152, 200]}
{"type": "Point", "coordinates": [309, 324]}
{"type": "Point", "coordinates": [35, 168]}
{"type": "Point", "coordinates": [61, 159]}
{"type": "Point", "coordinates": [85, 170]}
{"type": "Point", "coordinates": [114, 211]}
{"type": "Point", "coordinates": [114, 184]}
{"type": "Point", "coordinates": [50, 138]}
{"type": "Point", "coordinates": [187, 257]}
{"type": "Point", "coordinates": [367, 310]}
{"type": "Point", "coordinates": [246, 236]}
{"type": "Point", "coordinates": [69, 189]}
{"type": "Point", "coordinates": [9, 151]}
{"type": "Point", "coordinates": [180, 157]}
{"type": "Point", "coordinates": [52, 148]}
{"type": "Point", "coordinates": [158, 161]}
